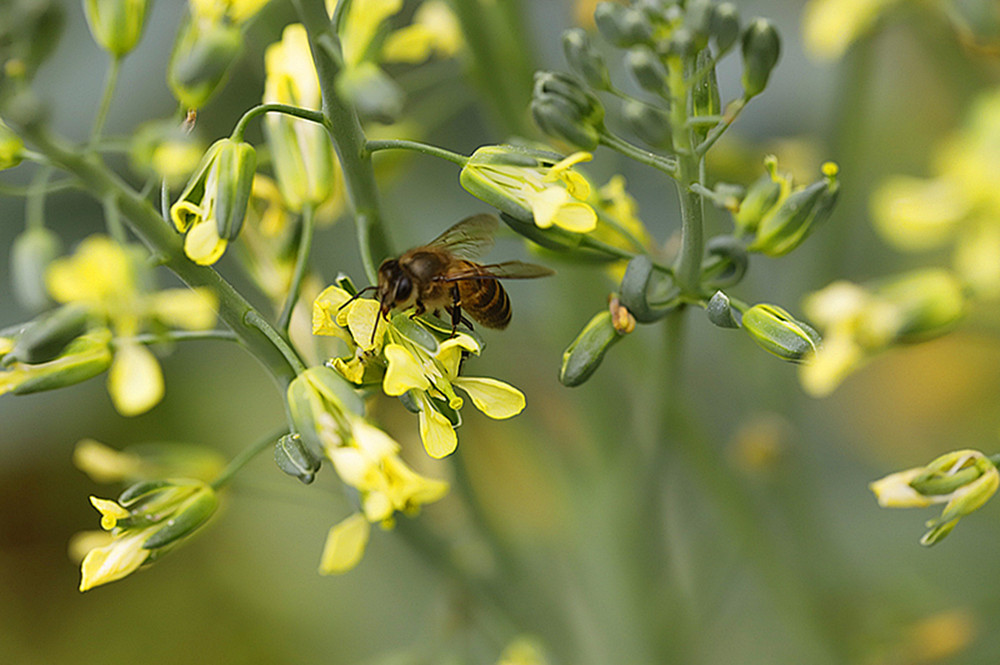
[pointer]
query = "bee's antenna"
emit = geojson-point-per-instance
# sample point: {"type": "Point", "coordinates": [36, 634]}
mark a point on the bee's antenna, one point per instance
{"type": "Point", "coordinates": [356, 296]}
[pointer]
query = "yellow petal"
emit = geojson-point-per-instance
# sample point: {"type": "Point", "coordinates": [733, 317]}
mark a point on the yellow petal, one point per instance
{"type": "Point", "coordinates": [403, 372]}
{"type": "Point", "coordinates": [202, 243]}
{"type": "Point", "coordinates": [135, 381]}
{"type": "Point", "coordinates": [361, 317]}
{"type": "Point", "coordinates": [81, 542]}
{"type": "Point", "coordinates": [496, 399]}
{"type": "Point", "coordinates": [918, 214]}
{"type": "Point", "coordinates": [894, 490]}
{"type": "Point", "coordinates": [345, 545]}
{"type": "Point", "coordinates": [830, 365]}
{"type": "Point", "coordinates": [326, 307]}
{"type": "Point", "coordinates": [113, 562]}
{"type": "Point", "coordinates": [110, 511]}
{"type": "Point", "coordinates": [103, 463]}
{"type": "Point", "coordinates": [377, 507]}
{"type": "Point", "coordinates": [436, 432]}
{"type": "Point", "coordinates": [546, 204]}
{"type": "Point", "coordinates": [353, 467]}
{"type": "Point", "coordinates": [577, 217]}
{"type": "Point", "coordinates": [191, 309]}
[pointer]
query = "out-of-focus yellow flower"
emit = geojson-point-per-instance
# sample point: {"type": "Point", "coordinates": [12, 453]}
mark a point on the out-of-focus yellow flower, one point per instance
{"type": "Point", "coordinates": [146, 461]}
{"type": "Point", "coordinates": [532, 186]}
{"type": "Point", "coordinates": [111, 282]}
{"type": "Point", "coordinates": [963, 480]}
{"type": "Point", "coordinates": [959, 204]}
{"type": "Point", "coordinates": [305, 165]}
{"type": "Point", "coordinates": [859, 322]}
{"type": "Point", "coordinates": [345, 545]}
{"type": "Point", "coordinates": [829, 27]}
{"type": "Point", "coordinates": [418, 367]}
{"type": "Point", "coordinates": [523, 651]}
{"type": "Point", "coordinates": [234, 11]}
{"type": "Point", "coordinates": [149, 518]}
{"type": "Point", "coordinates": [435, 30]}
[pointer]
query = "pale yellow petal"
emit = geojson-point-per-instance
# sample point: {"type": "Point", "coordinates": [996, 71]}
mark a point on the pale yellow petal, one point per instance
{"type": "Point", "coordinates": [362, 317]}
{"type": "Point", "coordinates": [110, 511]}
{"type": "Point", "coordinates": [436, 432]}
{"type": "Point", "coordinates": [577, 217]}
{"type": "Point", "coordinates": [918, 214]}
{"type": "Point", "coordinates": [345, 545]}
{"type": "Point", "coordinates": [191, 309]}
{"type": "Point", "coordinates": [103, 463]}
{"type": "Point", "coordinates": [403, 372]}
{"type": "Point", "coordinates": [494, 398]}
{"type": "Point", "coordinates": [202, 243]}
{"type": "Point", "coordinates": [113, 562]}
{"type": "Point", "coordinates": [894, 490]}
{"type": "Point", "coordinates": [546, 204]}
{"type": "Point", "coordinates": [135, 381]}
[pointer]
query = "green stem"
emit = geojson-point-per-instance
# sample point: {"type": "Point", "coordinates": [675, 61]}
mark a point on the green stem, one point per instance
{"type": "Point", "coordinates": [618, 252]}
{"type": "Point", "coordinates": [733, 111]}
{"type": "Point", "coordinates": [167, 248]}
{"type": "Point", "coordinates": [254, 319]}
{"type": "Point", "coordinates": [416, 146]}
{"type": "Point", "coordinates": [113, 218]}
{"type": "Point", "coordinates": [301, 262]}
{"type": "Point", "coordinates": [668, 165]}
{"type": "Point", "coordinates": [29, 190]}
{"type": "Point", "coordinates": [688, 268]}
{"type": "Point", "coordinates": [110, 83]}
{"type": "Point", "coordinates": [243, 458]}
{"type": "Point", "coordinates": [344, 127]}
{"type": "Point", "coordinates": [305, 114]}
{"type": "Point", "coordinates": [186, 336]}
{"type": "Point", "coordinates": [34, 208]}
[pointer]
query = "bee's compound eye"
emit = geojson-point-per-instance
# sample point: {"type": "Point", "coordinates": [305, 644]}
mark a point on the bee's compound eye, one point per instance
{"type": "Point", "coordinates": [403, 289]}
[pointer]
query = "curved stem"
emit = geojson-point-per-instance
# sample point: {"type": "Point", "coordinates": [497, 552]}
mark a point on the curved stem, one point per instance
{"type": "Point", "coordinates": [253, 318]}
{"type": "Point", "coordinates": [243, 458]}
{"type": "Point", "coordinates": [305, 114]}
{"type": "Point", "coordinates": [113, 218]}
{"type": "Point", "coordinates": [301, 261]}
{"type": "Point", "coordinates": [186, 336]}
{"type": "Point", "coordinates": [666, 164]}
{"type": "Point", "coordinates": [416, 146]}
{"type": "Point", "coordinates": [110, 83]}
{"type": "Point", "coordinates": [733, 111]}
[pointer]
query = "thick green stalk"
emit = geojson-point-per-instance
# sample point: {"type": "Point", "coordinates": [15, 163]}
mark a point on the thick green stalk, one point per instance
{"type": "Point", "coordinates": [344, 127]}
{"type": "Point", "coordinates": [167, 247]}
{"type": "Point", "coordinates": [688, 269]}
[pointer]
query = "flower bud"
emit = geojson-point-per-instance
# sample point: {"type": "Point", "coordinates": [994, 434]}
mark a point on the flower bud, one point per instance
{"type": "Point", "coordinates": [777, 332]}
{"type": "Point", "coordinates": [646, 68]}
{"type": "Point", "coordinates": [681, 43]}
{"type": "Point", "coordinates": [798, 215]}
{"type": "Point", "coordinates": [11, 147]}
{"type": "Point", "coordinates": [45, 337]}
{"type": "Point", "coordinates": [296, 459]}
{"type": "Point", "coordinates": [725, 26]}
{"type": "Point", "coordinates": [760, 199]}
{"type": "Point", "coordinates": [584, 59]}
{"type": "Point", "coordinates": [635, 289]}
{"type": "Point", "coordinates": [622, 26]}
{"type": "Point", "coordinates": [650, 124]}
{"type": "Point", "coordinates": [116, 24]}
{"type": "Point", "coordinates": [30, 256]}
{"type": "Point", "coordinates": [83, 358]}
{"type": "Point", "coordinates": [705, 99]}
{"type": "Point", "coordinates": [202, 56]}
{"type": "Point", "coordinates": [726, 261]}
{"type": "Point", "coordinates": [720, 312]}
{"type": "Point", "coordinates": [562, 107]}
{"type": "Point", "coordinates": [761, 49]}
{"type": "Point", "coordinates": [320, 402]}
{"type": "Point", "coordinates": [584, 355]}
{"type": "Point", "coordinates": [237, 162]}
{"type": "Point", "coordinates": [698, 19]}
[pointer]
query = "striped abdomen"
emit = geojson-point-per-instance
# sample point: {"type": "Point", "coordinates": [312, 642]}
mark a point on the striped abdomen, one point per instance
{"type": "Point", "coordinates": [483, 298]}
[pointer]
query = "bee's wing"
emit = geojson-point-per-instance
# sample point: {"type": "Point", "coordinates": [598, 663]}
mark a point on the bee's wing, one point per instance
{"type": "Point", "coordinates": [505, 270]}
{"type": "Point", "coordinates": [470, 238]}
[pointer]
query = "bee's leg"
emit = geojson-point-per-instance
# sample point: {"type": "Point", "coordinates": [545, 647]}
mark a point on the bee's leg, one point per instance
{"type": "Point", "coordinates": [418, 310]}
{"type": "Point", "coordinates": [455, 310]}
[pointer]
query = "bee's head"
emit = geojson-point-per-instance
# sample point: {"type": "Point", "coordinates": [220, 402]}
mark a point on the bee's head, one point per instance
{"type": "Point", "coordinates": [395, 288]}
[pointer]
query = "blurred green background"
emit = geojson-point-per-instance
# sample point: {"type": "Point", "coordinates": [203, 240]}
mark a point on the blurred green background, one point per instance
{"type": "Point", "coordinates": [832, 579]}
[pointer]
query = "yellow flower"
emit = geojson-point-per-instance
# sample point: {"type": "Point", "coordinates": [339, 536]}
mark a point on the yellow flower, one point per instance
{"type": "Point", "coordinates": [110, 281]}
{"type": "Point", "coordinates": [345, 545]}
{"type": "Point", "coordinates": [146, 461]}
{"type": "Point", "coordinates": [418, 367]}
{"type": "Point", "coordinates": [234, 11]}
{"type": "Point", "coordinates": [304, 162]}
{"type": "Point", "coordinates": [532, 186]}
{"type": "Point", "coordinates": [435, 30]}
{"type": "Point", "coordinates": [964, 480]}
{"type": "Point", "coordinates": [150, 517]}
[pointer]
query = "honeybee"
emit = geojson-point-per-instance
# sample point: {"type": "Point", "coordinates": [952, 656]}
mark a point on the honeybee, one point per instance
{"type": "Point", "coordinates": [443, 274]}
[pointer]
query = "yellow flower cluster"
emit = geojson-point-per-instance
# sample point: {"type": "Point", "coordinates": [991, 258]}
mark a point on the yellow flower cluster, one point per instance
{"type": "Point", "coordinates": [411, 363]}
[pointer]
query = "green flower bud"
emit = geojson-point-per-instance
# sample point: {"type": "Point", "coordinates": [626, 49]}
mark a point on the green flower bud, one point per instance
{"type": "Point", "coordinates": [761, 49]}
{"type": "Point", "coordinates": [584, 59]}
{"type": "Point", "coordinates": [655, 10]}
{"type": "Point", "coordinates": [647, 295]}
{"type": "Point", "coordinates": [726, 262]}
{"type": "Point", "coordinates": [202, 56]}
{"type": "Point", "coordinates": [45, 338]}
{"type": "Point", "coordinates": [11, 147]}
{"type": "Point", "coordinates": [30, 256]}
{"type": "Point", "coordinates": [760, 199]}
{"type": "Point", "coordinates": [681, 43]}
{"type": "Point", "coordinates": [698, 19]}
{"type": "Point", "coordinates": [705, 99]}
{"type": "Point", "coordinates": [777, 332]}
{"type": "Point", "coordinates": [584, 355]}
{"type": "Point", "coordinates": [725, 26]}
{"type": "Point", "coordinates": [296, 459]}
{"type": "Point", "coordinates": [116, 24]}
{"type": "Point", "coordinates": [646, 68]}
{"type": "Point", "coordinates": [237, 165]}
{"type": "Point", "coordinates": [650, 124]}
{"type": "Point", "coordinates": [562, 107]}
{"type": "Point", "coordinates": [185, 519]}
{"type": "Point", "coordinates": [720, 311]}
{"type": "Point", "coordinates": [83, 358]}
{"type": "Point", "coordinates": [320, 402]}
{"type": "Point", "coordinates": [622, 26]}
{"type": "Point", "coordinates": [798, 215]}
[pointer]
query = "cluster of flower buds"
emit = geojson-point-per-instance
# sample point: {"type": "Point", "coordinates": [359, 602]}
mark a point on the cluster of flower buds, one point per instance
{"type": "Point", "coordinates": [659, 38]}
